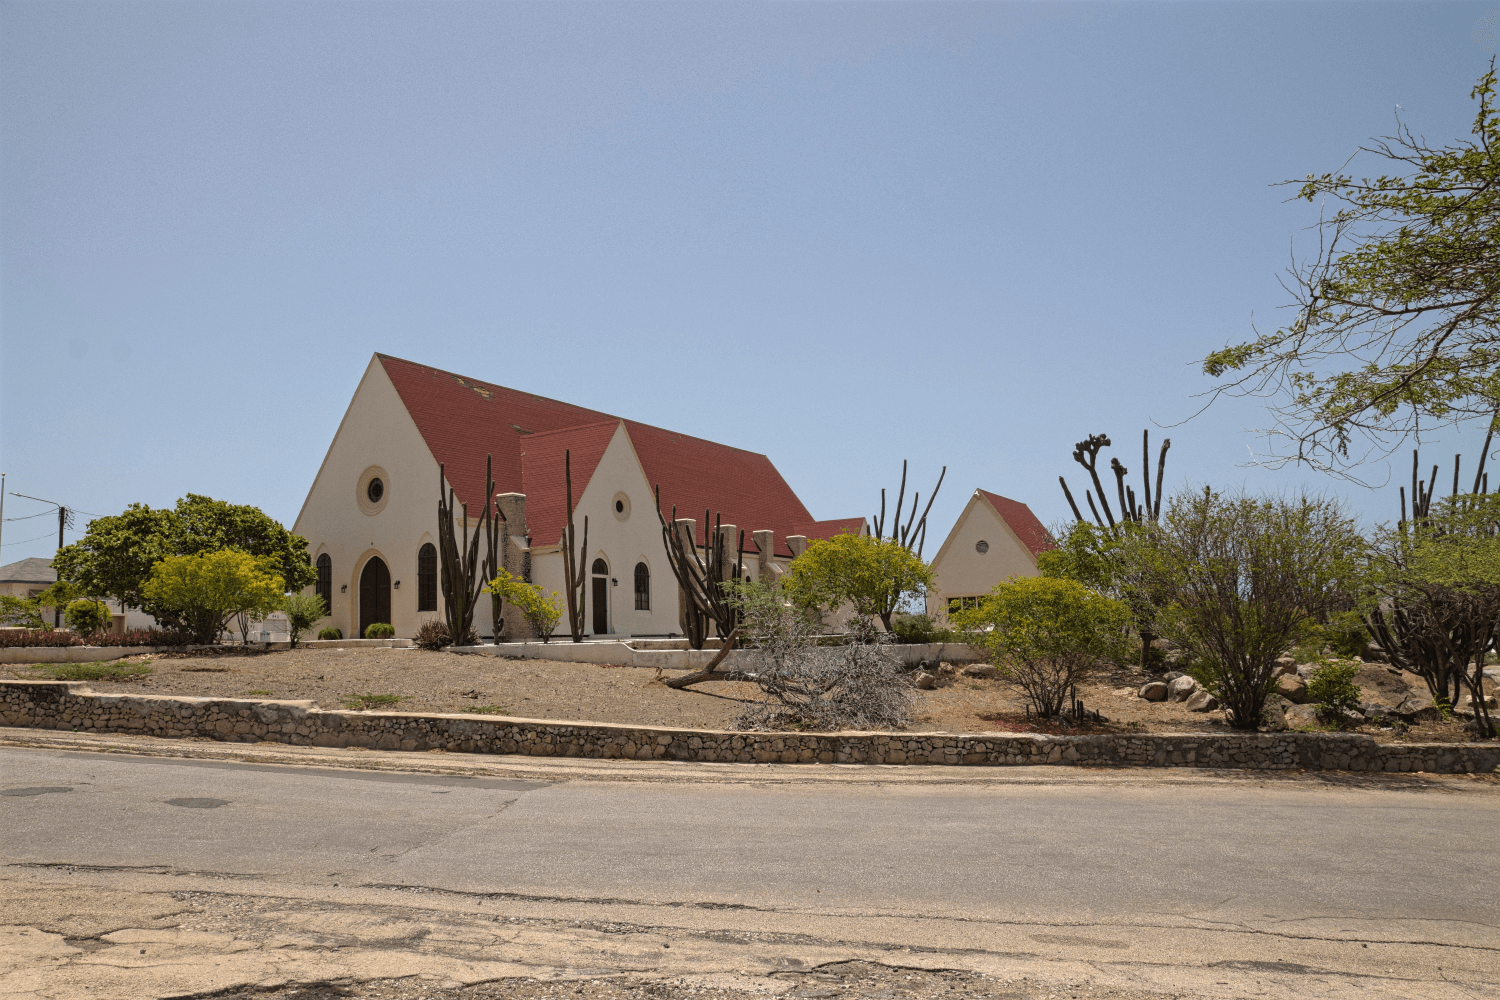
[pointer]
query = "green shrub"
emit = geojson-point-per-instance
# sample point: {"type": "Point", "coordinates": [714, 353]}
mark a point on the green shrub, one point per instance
{"type": "Point", "coordinates": [331, 633]}
{"type": "Point", "coordinates": [88, 617]}
{"type": "Point", "coordinates": [302, 612]}
{"type": "Point", "coordinates": [914, 628]}
{"type": "Point", "coordinates": [379, 630]}
{"type": "Point", "coordinates": [540, 610]}
{"type": "Point", "coordinates": [1331, 687]}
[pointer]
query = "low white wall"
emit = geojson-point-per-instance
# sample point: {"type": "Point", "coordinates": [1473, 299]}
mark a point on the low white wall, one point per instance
{"type": "Point", "coordinates": [75, 654]}
{"type": "Point", "coordinates": [694, 659]}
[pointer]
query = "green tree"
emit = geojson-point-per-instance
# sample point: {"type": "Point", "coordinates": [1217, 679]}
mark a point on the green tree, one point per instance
{"type": "Point", "coordinates": [86, 617]}
{"type": "Point", "coordinates": [1048, 634]}
{"type": "Point", "coordinates": [24, 612]}
{"type": "Point", "coordinates": [1437, 584]}
{"type": "Point", "coordinates": [874, 575]}
{"type": "Point", "coordinates": [117, 554]}
{"type": "Point", "coordinates": [1397, 318]}
{"type": "Point", "coordinates": [204, 591]}
{"type": "Point", "coordinates": [540, 610]}
{"type": "Point", "coordinates": [1247, 578]}
{"type": "Point", "coordinates": [303, 611]}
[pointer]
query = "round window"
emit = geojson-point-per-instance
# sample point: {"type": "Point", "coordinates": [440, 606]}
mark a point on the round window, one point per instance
{"type": "Point", "coordinates": [622, 507]}
{"type": "Point", "coordinates": [981, 546]}
{"type": "Point", "coordinates": [375, 490]}
{"type": "Point", "coordinates": [619, 506]}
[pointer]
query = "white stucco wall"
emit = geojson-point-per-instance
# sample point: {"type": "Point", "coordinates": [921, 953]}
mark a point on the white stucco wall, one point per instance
{"type": "Point", "coordinates": [961, 571]}
{"type": "Point", "coordinates": [620, 543]}
{"type": "Point", "coordinates": [376, 431]}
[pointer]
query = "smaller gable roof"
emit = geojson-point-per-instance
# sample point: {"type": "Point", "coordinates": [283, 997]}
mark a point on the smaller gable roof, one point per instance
{"type": "Point", "coordinates": [544, 464]}
{"type": "Point", "coordinates": [1019, 518]}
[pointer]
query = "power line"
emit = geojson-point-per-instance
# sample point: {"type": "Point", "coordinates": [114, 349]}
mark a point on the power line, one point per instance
{"type": "Point", "coordinates": [45, 513]}
{"type": "Point", "coordinates": [25, 540]}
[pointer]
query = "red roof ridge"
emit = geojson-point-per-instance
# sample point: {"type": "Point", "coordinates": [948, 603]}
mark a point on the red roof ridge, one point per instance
{"type": "Point", "coordinates": [534, 435]}
{"type": "Point", "coordinates": [1019, 518]}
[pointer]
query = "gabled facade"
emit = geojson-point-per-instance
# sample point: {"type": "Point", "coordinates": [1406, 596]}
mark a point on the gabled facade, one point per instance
{"type": "Point", "coordinates": [994, 539]}
{"type": "Point", "coordinates": [371, 515]}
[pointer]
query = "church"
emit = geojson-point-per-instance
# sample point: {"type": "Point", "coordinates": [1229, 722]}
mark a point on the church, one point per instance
{"type": "Point", "coordinates": [370, 517]}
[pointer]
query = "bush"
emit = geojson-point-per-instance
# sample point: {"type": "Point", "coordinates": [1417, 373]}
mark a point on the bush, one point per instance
{"type": "Point", "coordinates": [24, 612]}
{"type": "Point", "coordinates": [433, 635]}
{"type": "Point", "coordinates": [1331, 687]}
{"type": "Point", "coordinates": [331, 633]}
{"type": "Point", "coordinates": [142, 637]}
{"type": "Point", "coordinates": [540, 610]}
{"type": "Point", "coordinates": [1247, 578]}
{"type": "Point", "coordinates": [37, 637]}
{"type": "Point", "coordinates": [380, 630]}
{"type": "Point", "coordinates": [87, 617]}
{"type": "Point", "coordinates": [302, 610]}
{"type": "Point", "coordinates": [872, 574]}
{"type": "Point", "coordinates": [205, 590]}
{"type": "Point", "coordinates": [914, 629]}
{"type": "Point", "coordinates": [1048, 634]}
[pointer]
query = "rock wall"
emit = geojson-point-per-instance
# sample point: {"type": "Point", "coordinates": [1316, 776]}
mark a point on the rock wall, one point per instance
{"type": "Point", "coordinates": [71, 705]}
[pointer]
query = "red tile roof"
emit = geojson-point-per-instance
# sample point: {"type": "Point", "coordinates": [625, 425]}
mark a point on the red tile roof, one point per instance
{"type": "Point", "coordinates": [1022, 521]}
{"type": "Point", "coordinates": [462, 420]}
{"type": "Point", "coordinates": [543, 475]}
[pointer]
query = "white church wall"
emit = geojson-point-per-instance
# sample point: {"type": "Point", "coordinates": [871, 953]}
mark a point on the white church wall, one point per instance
{"type": "Point", "coordinates": [338, 519]}
{"type": "Point", "coordinates": [960, 570]}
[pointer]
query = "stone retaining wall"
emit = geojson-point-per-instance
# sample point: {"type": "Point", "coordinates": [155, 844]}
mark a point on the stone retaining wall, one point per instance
{"type": "Point", "coordinates": [71, 705]}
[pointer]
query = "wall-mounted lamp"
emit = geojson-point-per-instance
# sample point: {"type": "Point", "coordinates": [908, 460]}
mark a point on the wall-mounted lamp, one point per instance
{"type": "Point", "coordinates": [344, 589]}
{"type": "Point", "coordinates": [397, 585]}
{"type": "Point", "coordinates": [613, 582]}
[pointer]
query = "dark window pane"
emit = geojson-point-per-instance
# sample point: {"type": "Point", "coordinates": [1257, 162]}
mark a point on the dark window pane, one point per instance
{"type": "Point", "coordinates": [324, 586]}
{"type": "Point", "coordinates": [427, 578]}
{"type": "Point", "coordinates": [642, 587]}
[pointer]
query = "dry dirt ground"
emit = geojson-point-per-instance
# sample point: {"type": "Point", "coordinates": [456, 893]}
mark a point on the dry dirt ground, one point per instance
{"type": "Point", "coordinates": [414, 680]}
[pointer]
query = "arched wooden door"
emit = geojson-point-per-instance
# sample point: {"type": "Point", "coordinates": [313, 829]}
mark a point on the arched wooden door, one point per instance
{"type": "Point", "coordinates": [374, 594]}
{"type": "Point", "coordinates": [601, 597]}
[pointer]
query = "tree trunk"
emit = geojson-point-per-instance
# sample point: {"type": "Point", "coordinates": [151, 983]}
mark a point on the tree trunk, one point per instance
{"type": "Point", "coordinates": [709, 673]}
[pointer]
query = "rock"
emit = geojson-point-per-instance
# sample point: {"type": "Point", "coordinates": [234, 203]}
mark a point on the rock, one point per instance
{"type": "Point", "coordinates": [1201, 701]}
{"type": "Point", "coordinates": [1305, 670]}
{"type": "Point", "coordinates": [986, 670]}
{"type": "Point", "coordinates": [1181, 688]}
{"type": "Point", "coordinates": [1173, 657]}
{"type": "Point", "coordinates": [1154, 691]}
{"type": "Point", "coordinates": [1272, 716]}
{"type": "Point", "coordinates": [1376, 713]}
{"type": "Point", "coordinates": [947, 669]}
{"type": "Point", "coordinates": [1301, 716]}
{"type": "Point", "coordinates": [1173, 675]}
{"type": "Point", "coordinates": [1163, 644]}
{"type": "Point", "coordinates": [1374, 654]}
{"type": "Point", "coordinates": [1284, 670]}
{"type": "Point", "coordinates": [1418, 710]}
{"type": "Point", "coordinates": [1292, 688]}
{"type": "Point", "coordinates": [925, 681]}
{"type": "Point", "coordinates": [1353, 717]}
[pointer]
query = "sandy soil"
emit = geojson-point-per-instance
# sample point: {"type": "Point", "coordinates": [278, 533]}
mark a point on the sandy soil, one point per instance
{"type": "Point", "coordinates": [424, 681]}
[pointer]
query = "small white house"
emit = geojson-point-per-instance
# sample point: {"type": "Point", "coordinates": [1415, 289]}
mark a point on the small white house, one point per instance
{"type": "Point", "coordinates": [371, 516]}
{"type": "Point", "coordinates": [994, 539]}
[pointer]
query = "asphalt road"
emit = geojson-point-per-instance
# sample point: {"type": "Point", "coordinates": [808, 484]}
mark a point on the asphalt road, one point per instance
{"type": "Point", "coordinates": [1223, 888]}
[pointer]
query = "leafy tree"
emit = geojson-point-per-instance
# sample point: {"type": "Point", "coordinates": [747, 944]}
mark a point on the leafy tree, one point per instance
{"type": "Point", "coordinates": [1048, 634]}
{"type": "Point", "coordinates": [540, 610]}
{"type": "Point", "coordinates": [875, 575]}
{"type": "Point", "coordinates": [1246, 579]}
{"type": "Point", "coordinates": [25, 612]}
{"type": "Point", "coordinates": [87, 617]}
{"type": "Point", "coordinates": [1398, 316]}
{"type": "Point", "coordinates": [1438, 581]}
{"type": "Point", "coordinates": [117, 554]}
{"type": "Point", "coordinates": [303, 611]}
{"type": "Point", "coordinates": [203, 591]}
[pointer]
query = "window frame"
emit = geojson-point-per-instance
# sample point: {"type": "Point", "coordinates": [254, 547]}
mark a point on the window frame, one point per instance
{"type": "Point", "coordinates": [642, 587]}
{"type": "Point", "coordinates": [427, 578]}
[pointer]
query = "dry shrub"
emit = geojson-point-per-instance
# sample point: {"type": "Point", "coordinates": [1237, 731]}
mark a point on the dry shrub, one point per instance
{"type": "Point", "coordinates": [859, 685]}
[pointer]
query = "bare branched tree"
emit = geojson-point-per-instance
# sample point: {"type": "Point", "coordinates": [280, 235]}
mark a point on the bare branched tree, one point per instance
{"type": "Point", "coordinates": [913, 534]}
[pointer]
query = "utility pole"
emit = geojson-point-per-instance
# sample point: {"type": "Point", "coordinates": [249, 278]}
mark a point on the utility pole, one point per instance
{"type": "Point", "coordinates": [64, 520]}
{"type": "Point", "coordinates": [2, 507]}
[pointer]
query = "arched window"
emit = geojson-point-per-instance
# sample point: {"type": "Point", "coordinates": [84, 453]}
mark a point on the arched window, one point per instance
{"type": "Point", "coordinates": [324, 586]}
{"type": "Point", "coordinates": [427, 578]}
{"type": "Point", "coordinates": [642, 587]}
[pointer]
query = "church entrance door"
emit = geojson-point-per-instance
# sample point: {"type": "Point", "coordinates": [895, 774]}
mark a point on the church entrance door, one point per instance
{"type": "Point", "coordinates": [374, 595]}
{"type": "Point", "coordinates": [601, 597]}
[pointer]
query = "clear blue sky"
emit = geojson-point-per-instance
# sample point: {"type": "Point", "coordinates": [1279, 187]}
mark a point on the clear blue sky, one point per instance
{"type": "Point", "coordinates": [837, 233]}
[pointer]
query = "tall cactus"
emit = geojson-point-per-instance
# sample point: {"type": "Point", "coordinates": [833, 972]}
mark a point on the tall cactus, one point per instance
{"type": "Point", "coordinates": [574, 577]}
{"type": "Point", "coordinates": [701, 579]}
{"type": "Point", "coordinates": [462, 573]}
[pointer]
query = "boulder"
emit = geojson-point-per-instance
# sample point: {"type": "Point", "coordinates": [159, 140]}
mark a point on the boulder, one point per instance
{"type": "Point", "coordinates": [1292, 688]}
{"type": "Point", "coordinates": [925, 681]}
{"type": "Point", "coordinates": [1378, 713]}
{"type": "Point", "coordinates": [946, 669]}
{"type": "Point", "coordinates": [1419, 709]}
{"type": "Point", "coordinates": [1305, 670]}
{"type": "Point", "coordinates": [1374, 654]}
{"type": "Point", "coordinates": [1173, 657]}
{"type": "Point", "coordinates": [988, 671]}
{"type": "Point", "coordinates": [1181, 688]}
{"type": "Point", "coordinates": [1273, 716]}
{"type": "Point", "coordinates": [1301, 716]}
{"type": "Point", "coordinates": [1201, 701]}
{"type": "Point", "coordinates": [1154, 691]}
{"type": "Point", "coordinates": [1172, 675]}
